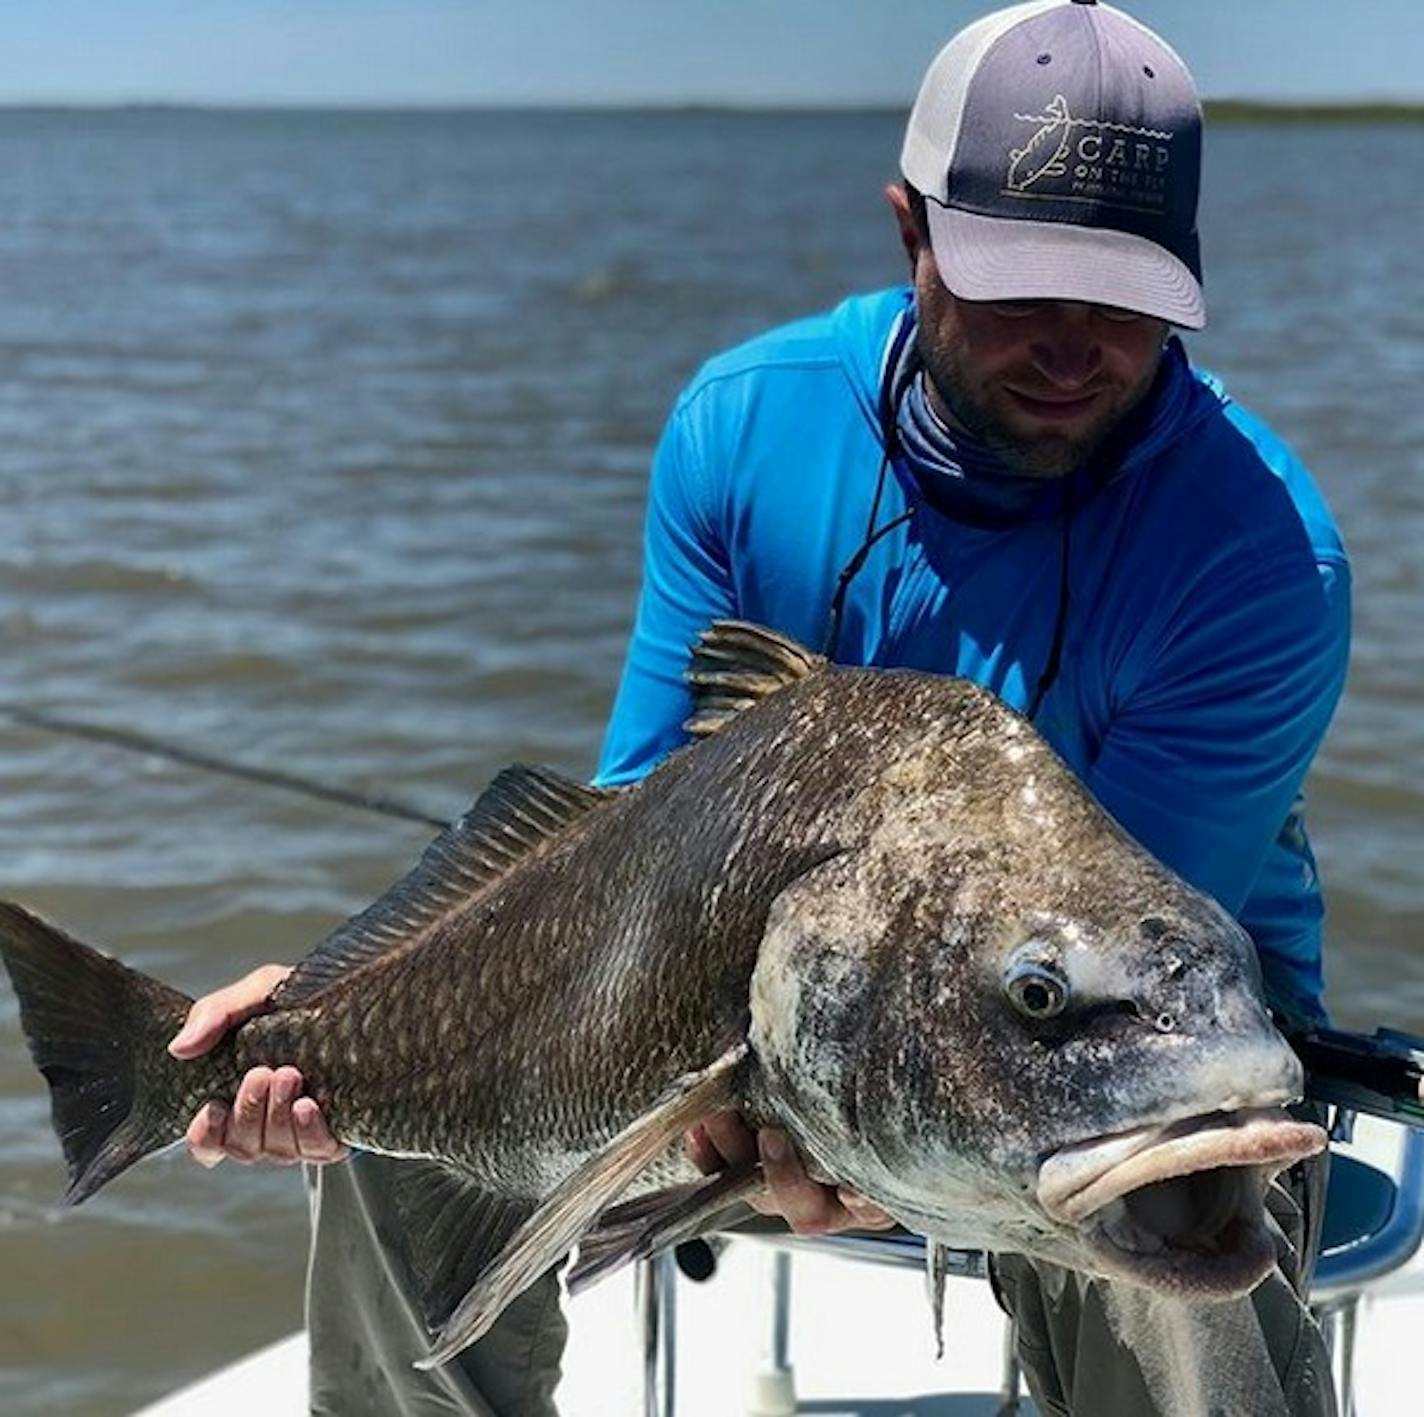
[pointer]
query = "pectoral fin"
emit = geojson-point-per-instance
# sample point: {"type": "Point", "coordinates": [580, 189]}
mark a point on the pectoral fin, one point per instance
{"type": "Point", "coordinates": [574, 1205]}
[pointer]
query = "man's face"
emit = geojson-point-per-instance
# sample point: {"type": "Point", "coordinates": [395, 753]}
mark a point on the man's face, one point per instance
{"type": "Point", "coordinates": [1043, 382]}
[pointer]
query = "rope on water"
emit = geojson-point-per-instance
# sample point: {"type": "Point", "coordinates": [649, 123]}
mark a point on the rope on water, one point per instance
{"type": "Point", "coordinates": [135, 742]}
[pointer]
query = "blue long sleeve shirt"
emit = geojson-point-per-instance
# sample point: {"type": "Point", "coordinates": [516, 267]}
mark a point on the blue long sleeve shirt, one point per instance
{"type": "Point", "coordinates": [1207, 632]}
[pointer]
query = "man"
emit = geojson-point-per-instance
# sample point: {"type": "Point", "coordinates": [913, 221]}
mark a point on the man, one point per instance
{"type": "Point", "coordinates": [1012, 474]}
{"type": "Point", "coordinates": [1007, 471]}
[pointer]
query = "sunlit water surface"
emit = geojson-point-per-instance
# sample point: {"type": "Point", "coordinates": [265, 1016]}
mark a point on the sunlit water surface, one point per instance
{"type": "Point", "coordinates": [325, 448]}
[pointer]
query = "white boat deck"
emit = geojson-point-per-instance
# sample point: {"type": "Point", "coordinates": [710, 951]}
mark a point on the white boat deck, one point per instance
{"type": "Point", "coordinates": [860, 1343]}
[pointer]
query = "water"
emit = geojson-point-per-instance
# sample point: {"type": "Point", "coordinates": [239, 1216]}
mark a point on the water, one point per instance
{"type": "Point", "coordinates": [325, 447]}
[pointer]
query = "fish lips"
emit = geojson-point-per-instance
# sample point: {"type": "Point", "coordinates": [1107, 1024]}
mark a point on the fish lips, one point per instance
{"type": "Point", "coordinates": [1179, 1207]}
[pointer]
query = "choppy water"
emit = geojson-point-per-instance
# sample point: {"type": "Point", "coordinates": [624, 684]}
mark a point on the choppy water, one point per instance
{"type": "Point", "coordinates": [324, 443]}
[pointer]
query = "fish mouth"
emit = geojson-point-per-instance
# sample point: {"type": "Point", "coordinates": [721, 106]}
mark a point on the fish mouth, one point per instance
{"type": "Point", "coordinates": [1179, 1207]}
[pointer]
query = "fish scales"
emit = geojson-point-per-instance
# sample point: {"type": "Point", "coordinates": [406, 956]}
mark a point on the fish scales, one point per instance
{"type": "Point", "coordinates": [592, 919]}
{"type": "Point", "coordinates": [870, 906]}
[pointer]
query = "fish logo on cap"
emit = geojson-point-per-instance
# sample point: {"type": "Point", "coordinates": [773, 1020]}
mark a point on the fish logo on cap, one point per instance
{"type": "Point", "coordinates": [1056, 122]}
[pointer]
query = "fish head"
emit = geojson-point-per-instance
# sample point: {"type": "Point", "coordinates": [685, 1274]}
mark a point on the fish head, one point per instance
{"type": "Point", "coordinates": [1008, 1024]}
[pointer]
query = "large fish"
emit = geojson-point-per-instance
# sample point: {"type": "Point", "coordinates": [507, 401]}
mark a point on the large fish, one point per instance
{"type": "Point", "coordinates": [870, 906]}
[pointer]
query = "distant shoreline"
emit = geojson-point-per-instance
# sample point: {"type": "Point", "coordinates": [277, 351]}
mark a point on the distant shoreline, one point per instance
{"type": "Point", "coordinates": [1218, 110]}
{"type": "Point", "coordinates": [1233, 110]}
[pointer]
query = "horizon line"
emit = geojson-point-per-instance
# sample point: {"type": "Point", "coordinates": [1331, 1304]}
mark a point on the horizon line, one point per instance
{"type": "Point", "coordinates": [1213, 107]}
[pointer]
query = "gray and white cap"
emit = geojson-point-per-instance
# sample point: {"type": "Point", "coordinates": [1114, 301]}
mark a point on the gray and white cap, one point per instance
{"type": "Point", "coordinates": [1058, 146]}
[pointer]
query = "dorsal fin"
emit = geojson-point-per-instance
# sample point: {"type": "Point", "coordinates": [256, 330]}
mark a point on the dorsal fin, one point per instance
{"type": "Point", "coordinates": [736, 664]}
{"type": "Point", "coordinates": [521, 809]}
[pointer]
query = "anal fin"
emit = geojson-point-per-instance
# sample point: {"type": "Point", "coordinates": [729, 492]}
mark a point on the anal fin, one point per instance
{"type": "Point", "coordinates": [573, 1206]}
{"type": "Point", "coordinates": [451, 1230]}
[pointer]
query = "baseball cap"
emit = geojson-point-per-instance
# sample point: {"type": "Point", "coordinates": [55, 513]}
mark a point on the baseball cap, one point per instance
{"type": "Point", "coordinates": [1058, 147]}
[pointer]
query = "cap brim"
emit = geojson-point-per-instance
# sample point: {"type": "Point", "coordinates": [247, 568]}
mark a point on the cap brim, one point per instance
{"type": "Point", "coordinates": [998, 258]}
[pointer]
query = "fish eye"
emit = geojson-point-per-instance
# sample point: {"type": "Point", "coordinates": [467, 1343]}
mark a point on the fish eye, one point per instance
{"type": "Point", "coordinates": [1036, 988]}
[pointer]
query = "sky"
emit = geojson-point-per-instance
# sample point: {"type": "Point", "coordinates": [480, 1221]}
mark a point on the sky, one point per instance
{"type": "Point", "coordinates": [477, 52]}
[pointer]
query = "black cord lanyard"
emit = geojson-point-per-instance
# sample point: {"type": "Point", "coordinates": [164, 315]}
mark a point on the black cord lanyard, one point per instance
{"type": "Point", "coordinates": [852, 567]}
{"type": "Point", "coordinates": [892, 390]}
{"type": "Point", "coordinates": [894, 380]}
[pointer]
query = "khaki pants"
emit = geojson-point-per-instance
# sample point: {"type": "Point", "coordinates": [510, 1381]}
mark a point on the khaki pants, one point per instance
{"type": "Point", "coordinates": [1089, 1349]}
{"type": "Point", "coordinates": [366, 1328]}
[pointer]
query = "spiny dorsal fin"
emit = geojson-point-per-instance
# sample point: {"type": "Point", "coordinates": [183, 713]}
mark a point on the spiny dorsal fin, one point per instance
{"type": "Point", "coordinates": [736, 664]}
{"type": "Point", "coordinates": [519, 811]}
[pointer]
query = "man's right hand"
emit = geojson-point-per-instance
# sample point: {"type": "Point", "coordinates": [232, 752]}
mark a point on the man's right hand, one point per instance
{"type": "Point", "coordinates": [809, 1207]}
{"type": "Point", "coordinates": [269, 1119]}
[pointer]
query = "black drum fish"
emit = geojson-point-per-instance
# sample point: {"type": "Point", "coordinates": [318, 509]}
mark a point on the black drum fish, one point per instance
{"type": "Point", "coordinates": [869, 906]}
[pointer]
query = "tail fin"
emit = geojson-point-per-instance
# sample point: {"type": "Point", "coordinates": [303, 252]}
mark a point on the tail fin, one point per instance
{"type": "Point", "coordinates": [97, 1031]}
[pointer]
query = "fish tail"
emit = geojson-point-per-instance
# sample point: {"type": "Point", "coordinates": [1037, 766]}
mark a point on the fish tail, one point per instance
{"type": "Point", "coordinates": [98, 1032]}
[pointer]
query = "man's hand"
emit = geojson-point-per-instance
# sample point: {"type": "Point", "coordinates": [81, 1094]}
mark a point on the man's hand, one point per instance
{"type": "Point", "coordinates": [808, 1207]}
{"type": "Point", "coordinates": [270, 1120]}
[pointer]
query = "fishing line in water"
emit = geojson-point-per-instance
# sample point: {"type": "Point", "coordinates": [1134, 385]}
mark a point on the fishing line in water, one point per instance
{"type": "Point", "coordinates": [135, 742]}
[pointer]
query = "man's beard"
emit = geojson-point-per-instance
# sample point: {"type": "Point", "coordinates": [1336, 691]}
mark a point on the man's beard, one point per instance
{"type": "Point", "coordinates": [1044, 454]}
